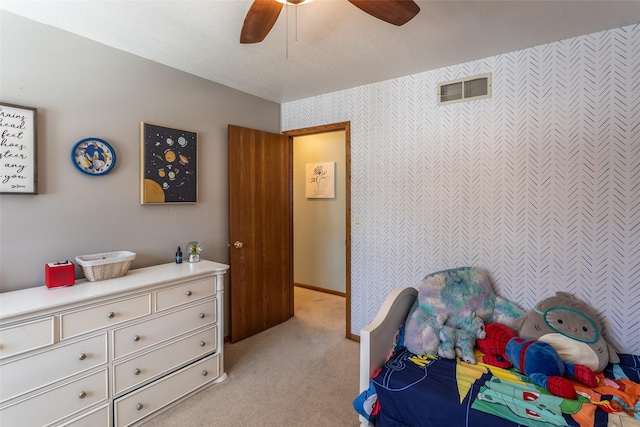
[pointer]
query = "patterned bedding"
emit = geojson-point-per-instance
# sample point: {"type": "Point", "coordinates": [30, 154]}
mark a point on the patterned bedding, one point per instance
{"type": "Point", "coordinates": [416, 391]}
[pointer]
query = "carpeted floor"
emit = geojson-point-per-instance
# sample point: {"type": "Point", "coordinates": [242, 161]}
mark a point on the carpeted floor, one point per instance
{"type": "Point", "coordinates": [302, 372]}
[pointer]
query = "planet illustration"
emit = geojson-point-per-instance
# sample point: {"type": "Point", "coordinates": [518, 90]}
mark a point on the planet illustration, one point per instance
{"type": "Point", "coordinates": [161, 173]}
{"type": "Point", "coordinates": [153, 192]}
{"type": "Point", "coordinates": [182, 141]}
{"type": "Point", "coordinates": [169, 142]}
{"type": "Point", "coordinates": [183, 159]}
{"type": "Point", "coordinates": [169, 156]}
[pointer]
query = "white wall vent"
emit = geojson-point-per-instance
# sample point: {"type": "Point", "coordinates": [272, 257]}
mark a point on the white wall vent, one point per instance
{"type": "Point", "coordinates": [467, 89]}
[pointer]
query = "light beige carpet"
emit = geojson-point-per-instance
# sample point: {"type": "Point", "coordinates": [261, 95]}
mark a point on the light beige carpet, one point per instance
{"type": "Point", "coordinates": [303, 372]}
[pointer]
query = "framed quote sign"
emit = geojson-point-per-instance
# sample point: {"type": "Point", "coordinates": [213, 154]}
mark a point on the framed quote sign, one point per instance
{"type": "Point", "coordinates": [169, 166]}
{"type": "Point", "coordinates": [18, 154]}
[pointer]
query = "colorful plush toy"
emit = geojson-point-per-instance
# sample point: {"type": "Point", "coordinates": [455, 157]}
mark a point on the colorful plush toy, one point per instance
{"type": "Point", "coordinates": [494, 345]}
{"type": "Point", "coordinates": [460, 341]}
{"type": "Point", "coordinates": [535, 359]}
{"type": "Point", "coordinates": [455, 294]}
{"type": "Point", "coordinates": [447, 347]}
{"type": "Point", "coordinates": [427, 332]}
{"type": "Point", "coordinates": [572, 328]}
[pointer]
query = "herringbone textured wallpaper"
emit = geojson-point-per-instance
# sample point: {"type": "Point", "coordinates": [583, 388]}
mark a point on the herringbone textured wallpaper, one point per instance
{"type": "Point", "coordinates": [539, 185]}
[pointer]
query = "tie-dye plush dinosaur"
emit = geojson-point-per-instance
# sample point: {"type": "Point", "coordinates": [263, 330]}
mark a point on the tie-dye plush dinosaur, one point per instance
{"type": "Point", "coordinates": [455, 294]}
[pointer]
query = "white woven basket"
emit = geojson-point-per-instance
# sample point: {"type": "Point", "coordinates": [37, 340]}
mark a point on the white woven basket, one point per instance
{"type": "Point", "coordinates": [108, 265]}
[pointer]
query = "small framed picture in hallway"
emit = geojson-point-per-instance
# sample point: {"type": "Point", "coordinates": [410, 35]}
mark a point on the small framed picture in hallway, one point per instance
{"type": "Point", "coordinates": [320, 180]}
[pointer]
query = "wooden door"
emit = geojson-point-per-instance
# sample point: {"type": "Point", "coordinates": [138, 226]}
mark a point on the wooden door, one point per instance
{"type": "Point", "coordinates": [260, 221]}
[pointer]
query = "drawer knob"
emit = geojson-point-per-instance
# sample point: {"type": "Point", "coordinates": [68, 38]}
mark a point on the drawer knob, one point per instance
{"type": "Point", "coordinates": [189, 293]}
{"type": "Point", "coordinates": [136, 371]}
{"type": "Point", "coordinates": [82, 395]}
{"type": "Point", "coordinates": [82, 356]}
{"type": "Point", "coordinates": [205, 373]}
{"type": "Point", "coordinates": [111, 315]}
{"type": "Point", "coordinates": [202, 315]}
{"type": "Point", "coordinates": [136, 338]}
{"type": "Point", "coordinates": [201, 343]}
{"type": "Point", "coordinates": [139, 406]}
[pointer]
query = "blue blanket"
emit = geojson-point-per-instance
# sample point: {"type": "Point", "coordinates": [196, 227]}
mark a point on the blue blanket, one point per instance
{"type": "Point", "coordinates": [416, 391]}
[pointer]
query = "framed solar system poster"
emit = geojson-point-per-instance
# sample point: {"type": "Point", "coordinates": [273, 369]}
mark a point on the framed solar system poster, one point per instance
{"type": "Point", "coordinates": [169, 165]}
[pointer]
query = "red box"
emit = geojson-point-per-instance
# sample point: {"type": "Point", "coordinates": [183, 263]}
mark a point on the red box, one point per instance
{"type": "Point", "coordinates": [59, 274]}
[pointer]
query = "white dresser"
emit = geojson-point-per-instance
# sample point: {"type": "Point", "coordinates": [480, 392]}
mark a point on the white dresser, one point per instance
{"type": "Point", "coordinates": [111, 352]}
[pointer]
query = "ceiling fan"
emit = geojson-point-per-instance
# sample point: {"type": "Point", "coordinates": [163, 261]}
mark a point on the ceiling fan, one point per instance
{"type": "Point", "coordinates": [263, 15]}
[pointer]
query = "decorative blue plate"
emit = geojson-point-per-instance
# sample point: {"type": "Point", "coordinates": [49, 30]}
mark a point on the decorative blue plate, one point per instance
{"type": "Point", "coordinates": [93, 156]}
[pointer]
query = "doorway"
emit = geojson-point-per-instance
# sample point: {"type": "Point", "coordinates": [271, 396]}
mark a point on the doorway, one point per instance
{"type": "Point", "coordinates": [261, 227]}
{"type": "Point", "coordinates": [342, 130]}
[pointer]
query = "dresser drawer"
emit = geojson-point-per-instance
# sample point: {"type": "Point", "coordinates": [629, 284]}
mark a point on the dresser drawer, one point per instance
{"type": "Point", "coordinates": [58, 403]}
{"type": "Point", "coordinates": [135, 371]}
{"type": "Point", "coordinates": [104, 315]}
{"type": "Point", "coordinates": [100, 417]}
{"type": "Point", "coordinates": [183, 294]}
{"type": "Point", "coordinates": [62, 361]}
{"type": "Point", "coordinates": [145, 334]}
{"type": "Point", "coordinates": [140, 403]}
{"type": "Point", "coordinates": [26, 336]}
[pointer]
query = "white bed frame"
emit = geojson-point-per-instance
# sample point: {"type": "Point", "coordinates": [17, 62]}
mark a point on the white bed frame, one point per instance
{"type": "Point", "coordinates": [376, 339]}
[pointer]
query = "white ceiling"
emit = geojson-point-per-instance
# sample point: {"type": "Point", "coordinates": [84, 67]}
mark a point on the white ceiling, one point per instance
{"type": "Point", "coordinates": [338, 46]}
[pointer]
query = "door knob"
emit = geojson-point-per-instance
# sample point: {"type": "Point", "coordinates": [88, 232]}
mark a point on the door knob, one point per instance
{"type": "Point", "coordinates": [238, 245]}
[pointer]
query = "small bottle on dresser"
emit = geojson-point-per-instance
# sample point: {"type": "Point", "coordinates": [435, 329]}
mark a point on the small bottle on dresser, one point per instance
{"type": "Point", "coordinates": [179, 256]}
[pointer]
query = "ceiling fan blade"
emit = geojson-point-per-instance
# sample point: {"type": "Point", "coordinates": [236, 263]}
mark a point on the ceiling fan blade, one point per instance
{"type": "Point", "coordinates": [396, 12]}
{"type": "Point", "coordinates": [259, 20]}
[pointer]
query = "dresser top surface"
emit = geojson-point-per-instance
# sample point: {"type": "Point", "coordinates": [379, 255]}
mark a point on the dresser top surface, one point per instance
{"type": "Point", "coordinates": [40, 299]}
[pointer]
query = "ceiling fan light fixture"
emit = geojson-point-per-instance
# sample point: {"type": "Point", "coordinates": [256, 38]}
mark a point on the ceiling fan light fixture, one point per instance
{"type": "Point", "coordinates": [294, 2]}
{"type": "Point", "coordinates": [262, 14]}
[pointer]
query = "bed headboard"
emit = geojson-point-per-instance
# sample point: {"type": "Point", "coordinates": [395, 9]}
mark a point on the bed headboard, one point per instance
{"type": "Point", "coordinates": [376, 339]}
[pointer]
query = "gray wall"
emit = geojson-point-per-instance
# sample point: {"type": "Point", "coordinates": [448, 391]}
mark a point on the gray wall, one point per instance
{"type": "Point", "coordinates": [84, 89]}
